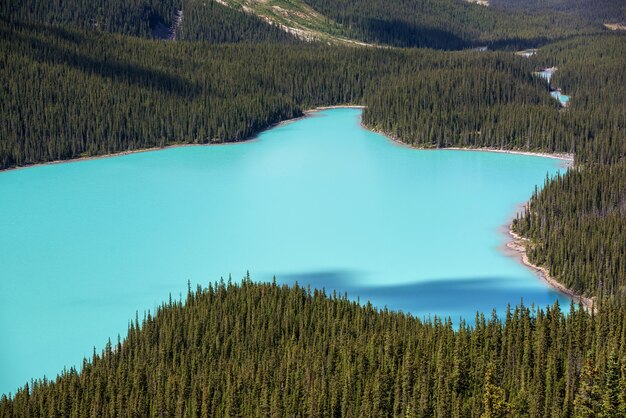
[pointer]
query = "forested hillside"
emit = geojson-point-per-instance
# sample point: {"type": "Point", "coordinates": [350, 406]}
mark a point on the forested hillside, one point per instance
{"type": "Point", "coordinates": [211, 21]}
{"type": "Point", "coordinates": [141, 94]}
{"type": "Point", "coordinates": [441, 24]}
{"type": "Point", "coordinates": [578, 221]}
{"type": "Point", "coordinates": [205, 20]}
{"type": "Point", "coordinates": [481, 113]}
{"type": "Point", "coordinates": [447, 24]}
{"type": "Point", "coordinates": [595, 10]}
{"type": "Point", "coordinates": [266, 350]}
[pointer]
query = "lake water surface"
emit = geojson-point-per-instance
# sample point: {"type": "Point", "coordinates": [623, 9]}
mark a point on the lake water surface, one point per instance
{"type": "Point", "coordinates": [85, 245]}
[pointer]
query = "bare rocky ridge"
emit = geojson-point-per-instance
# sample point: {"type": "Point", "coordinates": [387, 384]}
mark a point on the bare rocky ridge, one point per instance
{"type": "Point", "coordinates": [479, 2]}
{"type": "Point", "coordinates": [615, 26]}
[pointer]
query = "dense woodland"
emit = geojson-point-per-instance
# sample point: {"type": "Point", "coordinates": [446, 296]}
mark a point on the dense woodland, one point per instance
{"type": "Point", "coordinates": [578, 223]}
{"type": "Point", "coordinates": [578, 220]}
{"type": "Point", "coordinates": [73, 83]}
{"type": "Point", "coordinates": [268, 350]}
{"type": "Point", "coordinates": [483, 111]}
{"type": "Point", "coordinates": [448, 24]}
{"type": "Point", "coordinates": [440, 24]}
{"type": "Point", "coordinates": [212, 22]}
{"type": "Point", "coordinates": [596, 10]}
{"type": "Point", "coordinates": [199, 19]}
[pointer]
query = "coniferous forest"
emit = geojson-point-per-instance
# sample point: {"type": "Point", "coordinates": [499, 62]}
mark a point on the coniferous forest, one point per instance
{"type": "Point", "coordinates": [87, 78]}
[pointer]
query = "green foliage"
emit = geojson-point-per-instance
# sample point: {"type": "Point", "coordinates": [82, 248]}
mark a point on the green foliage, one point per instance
{"type": "Point", "coordinates": [595, 10]}
{"type": "Point", "coordinates": [471, 106]}
{"type": "Point", "coordinates": [591, 70]}
{"type": "Point", "coordinates": [577, 225]}
{"type": "Point", "coordinates": [441, 24]}
{"type": "Point", "coordinates": [494, 405]}
{"type": "Point", "coordinates": [207, 20]}
{"type": "Point", "coordinates": [269, 350]}
{"type": "Point", "coordinates": [447, 24]}
{"type": "Point", "coordinates": [204, 20]}
{"type": "Point", "coordinates": [132, 17]}
{"type": "Point", "coordinates": [611, 399]}
{"type": "Point", "coordinates": [587, 402]}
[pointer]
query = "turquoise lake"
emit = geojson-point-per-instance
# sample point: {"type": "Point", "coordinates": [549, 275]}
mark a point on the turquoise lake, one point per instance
{"type": "Point", "coordinates": [321, 201]}
{"type": "Point", "coordinates": [562, 98]}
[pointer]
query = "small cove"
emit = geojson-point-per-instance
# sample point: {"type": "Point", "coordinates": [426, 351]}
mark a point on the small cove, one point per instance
{"type": "Point", "coordinates": [320, 201]}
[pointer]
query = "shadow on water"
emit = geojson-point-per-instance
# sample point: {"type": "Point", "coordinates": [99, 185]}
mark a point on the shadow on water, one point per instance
{"type": "Point", "coordinates": [324, 279]}
{"type": "Point", "coordinates": [455, 296]}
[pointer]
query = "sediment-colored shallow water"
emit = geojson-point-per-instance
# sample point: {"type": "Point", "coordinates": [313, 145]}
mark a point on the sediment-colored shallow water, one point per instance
{"type": "Point", "coordinates": [85, 245]}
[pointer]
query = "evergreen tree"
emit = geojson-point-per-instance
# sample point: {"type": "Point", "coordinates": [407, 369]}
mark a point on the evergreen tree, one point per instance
{"type": "Point", "coordinates": [611, 394]}
{"type": "Point", "coordinates": [494, 403]}
{"type": "Point", "coordinates": [587, 402]}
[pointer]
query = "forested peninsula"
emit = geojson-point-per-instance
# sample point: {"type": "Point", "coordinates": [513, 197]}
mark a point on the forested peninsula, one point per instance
{"type": "Point", "coordinates": [268, 350]}
{"type": "Point", "coordinates": [84, 79]}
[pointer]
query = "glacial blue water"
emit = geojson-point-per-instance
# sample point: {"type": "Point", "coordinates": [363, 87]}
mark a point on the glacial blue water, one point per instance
{"type": "Point", "coordinates": [322, 201]}
{"type": "Point", "coordinates": [562, 98]}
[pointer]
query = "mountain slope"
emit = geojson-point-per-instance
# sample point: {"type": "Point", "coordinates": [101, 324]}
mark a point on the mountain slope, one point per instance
{"type": "Point", "coordinates": [294, 17]}
{"type": "Point", "coordinates": [198, 20]}
{"type": "Point", "coordinates": [447, 24]}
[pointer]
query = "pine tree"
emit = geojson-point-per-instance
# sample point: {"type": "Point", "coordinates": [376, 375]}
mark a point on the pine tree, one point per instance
{"type": "Point", "coordinates": [494, 403]}
{"type": "Point", "coordinates": [587, 401]}
{"type": "Point", "coordinates": [611, 393]}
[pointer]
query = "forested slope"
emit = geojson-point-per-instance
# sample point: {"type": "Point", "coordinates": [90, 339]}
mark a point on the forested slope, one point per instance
{"type": "Point", "coordinates": [205, 20]}
{"type": "Point", "coordinates": [440, 24]}
{"type": "Point", "coordinates": [483, 113]}
{"type": "Point", "coordinates": [578, 221]}
{"type": "Point", "coordinates": [267, 350]}
{"type": "Point", "coordinates": [447, 24]}
{"type": "Point", "coordinates": [595, 10]}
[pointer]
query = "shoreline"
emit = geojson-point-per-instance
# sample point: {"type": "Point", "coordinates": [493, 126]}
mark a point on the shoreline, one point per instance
{"type": "Point", "coordinates": [251, 138]}
{"type": "Point", "coordinates": [517, 246]}
{"type": "Point", "coordinates": [568, 159]}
